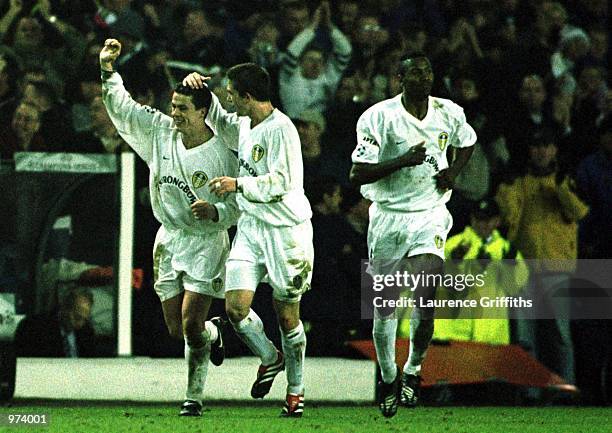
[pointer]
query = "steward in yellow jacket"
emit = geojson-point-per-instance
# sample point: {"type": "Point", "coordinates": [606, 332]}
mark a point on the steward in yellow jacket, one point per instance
{"type": "Point", "coordinates": [480, 249]}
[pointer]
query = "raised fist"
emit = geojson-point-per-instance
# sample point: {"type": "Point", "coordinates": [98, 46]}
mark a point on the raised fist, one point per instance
{"type": "Point", "coordinates": [109, 53]}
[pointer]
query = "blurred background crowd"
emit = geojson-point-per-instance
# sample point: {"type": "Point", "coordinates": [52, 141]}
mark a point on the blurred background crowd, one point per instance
{"type": "Point", "coordinates": [531, 75]}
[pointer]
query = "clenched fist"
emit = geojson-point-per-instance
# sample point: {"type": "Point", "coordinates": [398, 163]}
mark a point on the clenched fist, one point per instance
{"type": "Point", "coordinates": [109, 53]}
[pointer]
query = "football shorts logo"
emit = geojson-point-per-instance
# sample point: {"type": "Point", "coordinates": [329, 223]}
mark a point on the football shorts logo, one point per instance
{"type": "Point", "coordinates": [438, 241]}
{"type": "Point", "coordinates": [257, 153]}
{"type": "Point", "coordinates": [199, 179]}
{"type": "Point", "coordinates": [442, 140]}
{"type": "Point", "coordinates": [297, 281]}
{"type": "Point", "coordinates": [217, 284]}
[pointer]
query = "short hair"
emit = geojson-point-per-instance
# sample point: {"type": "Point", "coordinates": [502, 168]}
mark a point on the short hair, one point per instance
{"type": "Point", "coordinates": [252, 79]}
{"type": "Point", "coordinates": [201, 98]}
{"type": "Point", "coordinates": [409, 57]}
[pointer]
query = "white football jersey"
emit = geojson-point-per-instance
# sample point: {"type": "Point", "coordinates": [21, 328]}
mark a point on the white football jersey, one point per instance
{"type": "Point", "coordinates": [271, 168]}
{"type": "Point", "coordinates": [386, 131]}
{"type": "Point", "coordinates": [178, 176]}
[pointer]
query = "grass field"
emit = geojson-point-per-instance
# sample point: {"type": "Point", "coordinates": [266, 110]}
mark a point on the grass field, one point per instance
{"type": "Point", "coordinates": [234, 417]}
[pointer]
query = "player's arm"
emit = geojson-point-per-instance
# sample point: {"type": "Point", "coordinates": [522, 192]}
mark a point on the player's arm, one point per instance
{"type": "Point", "coordinates": [224, 211]}
{"type": "Point", "coordinates": [364, 173]}
{"type": "Point", "coordinates": [366, 165]}
{"type": "Point", "coordinates": [282, 162]}
{"type": "Point", "coordinates": [224, 124]}
{"type": "Point", "coordinates": [132, 120]}
{"type": "Point", "coordinates": [462, 142]}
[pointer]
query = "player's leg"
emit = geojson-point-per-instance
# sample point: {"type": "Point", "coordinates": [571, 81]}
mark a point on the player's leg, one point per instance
{"type": "Point", "coordinates": [171, 309]}
{"type": "Point", "coordinates": [383, 235]}
{"type": "Point", "coordinates": [244, 271]}
{"type": "Point", "coordinates": [198, 337]}
{"type": "Point", "coordinates": [167, 285]}
{"type": "Point", "coordinates": [201, 260]}
{"type": "Point", "coordinates": [421, 324]}
{"type": "Point", "coordinates": [425, 257]}
{"type": "Point", "coordinates": [250, 329]}
{"type": "Point", "coordinates": [293, 338]}
{"type": "Point", "coordinates": [384, 331]}
{"type": "Point", "coordinates": [289, 258]}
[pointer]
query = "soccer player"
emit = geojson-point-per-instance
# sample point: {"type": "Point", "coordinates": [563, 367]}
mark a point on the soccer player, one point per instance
{"type": "Point", "coordinates": [192, 244]}
{"type": "Point", "coordinates": [274, 235]}
{"type": "Point", "coordinates": [401, 164]}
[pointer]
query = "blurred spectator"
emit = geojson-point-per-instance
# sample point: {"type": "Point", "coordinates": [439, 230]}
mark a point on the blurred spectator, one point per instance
{"type": "Point", "coordinates": [8, 87]}
{"type": "Point", "coordinates": [541, 211]}
{"type": "Point", "coordinates": [594, 184]}
{"type": "Point", "coordinates": [103, 137]}
{"type": "Point", "coordinates": [65, 333]}
{"type": "Point", "coordinates": [43, 41]}
{"type": "Point", "coordinates": [202, 42]}
{"type": "Point", "coordinates": [318, 161]}
{"type": "Point", "coordinates": [307, 80]}
{"type": "Point", "coordinates": [119, 17]}
{"type": "Point", "coordinates": [347, 12]}
{"type": "Point", "coordinates": [574, 45]}
{"type": "Point", "coordinates": [478, 249]}
{"type": "Point", "coordinates": [80, 96]}
{"type": "Point", "coordinates": [598, 55]}
{"type": "Point", "coordinates": [344, 110]}
{"type": "Point", "coordinates": [588, 108]}
{"type": "Point", "coordinates": [368, 40]}
{"type": "Point", "coordinates": [530, 117]}
{"type": "Point", "coordinates": [327, 307]}
{"type": "Point", "coordinates": [55, 126]}
{"type": "Point", "coordinates": [263, 49]}
{"type": "Point", "coordinates": [293, 18]}
{"type": "Point", "coordinates": [23, 134]}
{"type": "Point", "coordinates": [592, 337]}
{"type": "Point", "coordinates": [474, 181]}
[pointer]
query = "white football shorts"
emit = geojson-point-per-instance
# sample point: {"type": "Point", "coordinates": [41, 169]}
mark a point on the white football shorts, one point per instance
{"type": "Point", "coordinates": [398, 235]}
{"type": "Point", "coordinates": [184, 261]}
{"type": "Point", "coordinates": [282, 255]}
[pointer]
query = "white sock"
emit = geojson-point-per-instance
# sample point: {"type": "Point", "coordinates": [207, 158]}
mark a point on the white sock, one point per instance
{"type": "Point", "coordinates": [421, 331]}
{"type": "Point", "coordinates": [197, 368]}
{"type": "Point", "coordinates": [384, 331]}
{"type": "Point", "coordinates": [251, 332]}
{"type": "Point", "coordinates": [211, 331]}
{"type": "Point", "coordinates": [294, 348]}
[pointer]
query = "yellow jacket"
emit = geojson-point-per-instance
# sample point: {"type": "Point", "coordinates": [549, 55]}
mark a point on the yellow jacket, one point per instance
{"type": "Point", "coordinates": [501, 279]}
{"type": "Point", "coordinates": [542, 218]}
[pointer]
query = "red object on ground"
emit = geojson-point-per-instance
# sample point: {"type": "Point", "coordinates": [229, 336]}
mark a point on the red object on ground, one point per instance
{"type": "Point", "coordinates": [463, 363]}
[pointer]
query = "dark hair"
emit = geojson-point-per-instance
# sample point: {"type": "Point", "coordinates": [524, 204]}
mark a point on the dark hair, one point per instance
{"type": "Point", "coordinates": [201, 98]}
{"type": "Point", "coordinates": [408, 58]}
{"type": "Point", "coordinates": [252, 79]}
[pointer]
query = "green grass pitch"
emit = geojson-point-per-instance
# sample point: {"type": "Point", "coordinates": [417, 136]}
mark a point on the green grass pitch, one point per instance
{"type": "Point", "coordinates": [244, 417]}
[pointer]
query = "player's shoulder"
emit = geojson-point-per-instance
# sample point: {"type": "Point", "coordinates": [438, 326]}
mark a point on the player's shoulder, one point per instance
{"type": "Point", "coordinates": [382, 110]}
{"type": "Point", "coordinates": [281, 123]}
{"type": "Point", "coordinates": [447, 107]}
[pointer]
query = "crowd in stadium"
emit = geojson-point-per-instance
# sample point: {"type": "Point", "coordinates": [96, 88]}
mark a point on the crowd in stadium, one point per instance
{"type": "Point", "coordinates": [531, 76]}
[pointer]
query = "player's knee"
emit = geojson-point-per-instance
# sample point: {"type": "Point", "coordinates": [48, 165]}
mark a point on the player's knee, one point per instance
{"type": "Point", "coordinates": [236, 312]}
{"type": "Point", "coordinates": [175, 330]}
{"type": "Point", "coordinates": [287, 322]}
{"type": "Point", "coordinates": [192, 327]}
